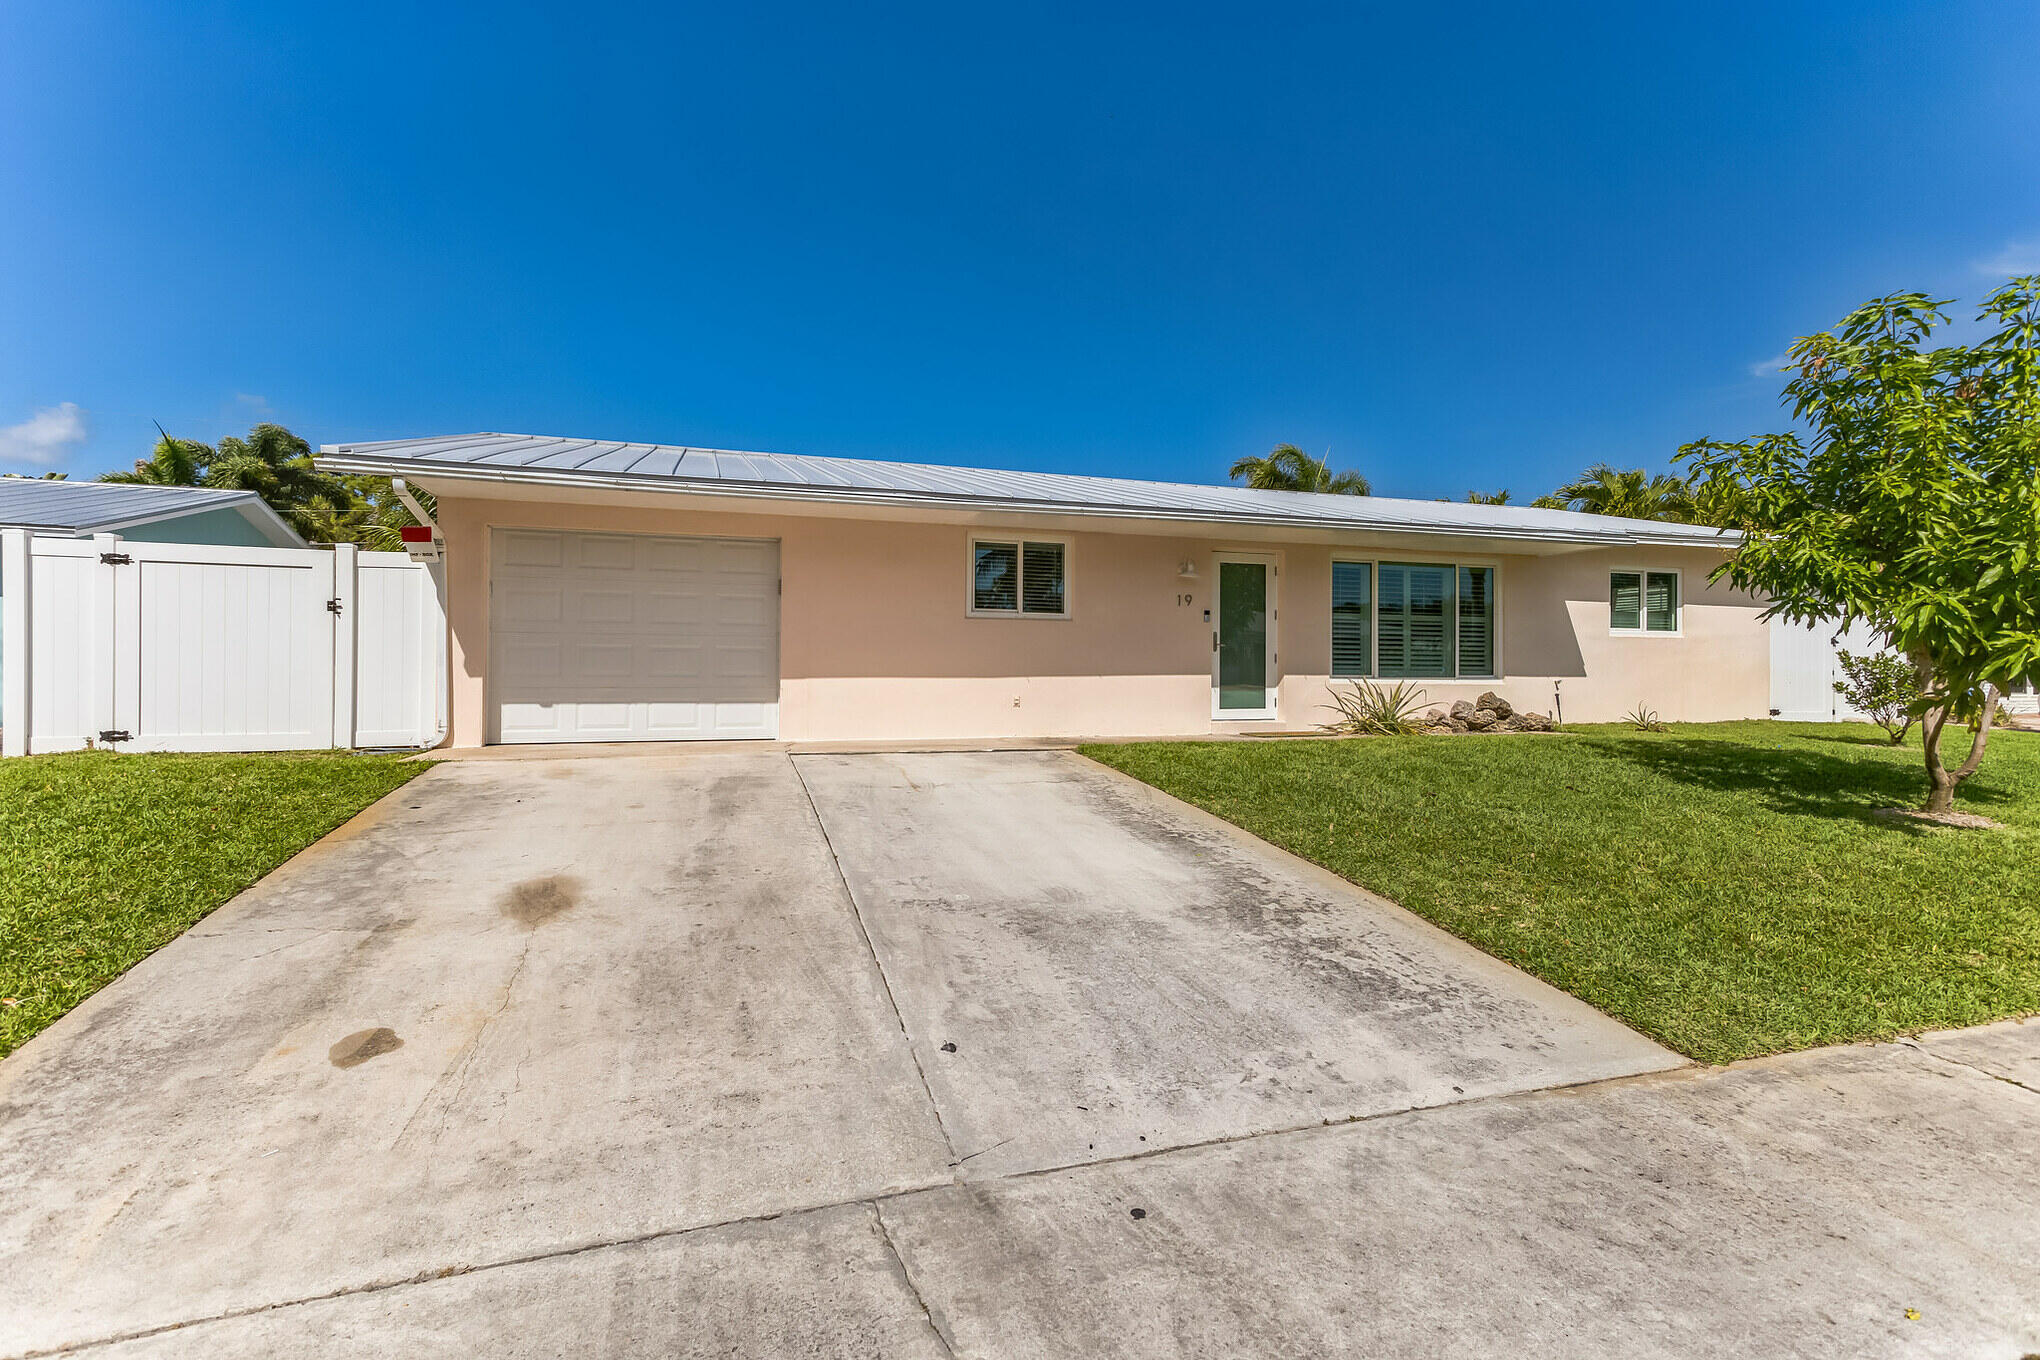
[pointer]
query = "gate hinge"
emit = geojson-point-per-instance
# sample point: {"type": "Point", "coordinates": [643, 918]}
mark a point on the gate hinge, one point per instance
{"type": "Point", "coordinates": [116, 559]}
{"type": "Point", "coordinates": [333, 605]}
{"type": "Point", "coordinates": [116, 734]}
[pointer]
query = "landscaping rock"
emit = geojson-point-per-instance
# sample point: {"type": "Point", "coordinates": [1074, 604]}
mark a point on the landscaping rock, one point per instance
{"type": "Point", "coordinates": [1494, 703]}
{"type": "Point", "coordinates": [1480, 720]}
{"type": "Point", "coordinates": [1461, 711]}
{"type": "Point", "coordinates": [1435, 718]}
{"type": "Point", "coordinates": [1532, 722]}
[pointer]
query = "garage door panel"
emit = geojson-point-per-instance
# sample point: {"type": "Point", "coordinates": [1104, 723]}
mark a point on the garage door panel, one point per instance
{"type": "Point", "coordinates": [523, 606]}
{"type": "Point", "coordinates": [745, 558]}
{"type": "Point", "coordinates": [614, 637]}
{"type": "Point", "coordinates": [753, 666]}
{"type": "Point", "coordinates": [683, 665]}
{"type": "Point", "coordinates": [604, 552]}
{"type": "Point", "coordinates": [532, 660]}
{"type": "Point", "coordinates": [666, 556]}
{"type": "Point", "coordinates": [595, 608]}
{"type": "Point", "coordinates": [606, 664]}
{"type": "Point", "coordinates": [668, 608]}
{"type": "Point", "coordinates": [530, 548]}
{"type": "Point", "coordinates": [731, 613]}
{"type": "Point", "coordinates": [747, 720]}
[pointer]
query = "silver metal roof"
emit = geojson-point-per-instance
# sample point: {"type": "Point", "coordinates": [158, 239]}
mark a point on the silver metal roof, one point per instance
{"type": "Point", "coordinates": [723, 472]}
{"type": "Point", "coordinates": [83, 507]}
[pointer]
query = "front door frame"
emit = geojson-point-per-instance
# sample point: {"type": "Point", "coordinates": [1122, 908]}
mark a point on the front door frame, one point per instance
{"type": "Point", "coordinates": [1273, 562]}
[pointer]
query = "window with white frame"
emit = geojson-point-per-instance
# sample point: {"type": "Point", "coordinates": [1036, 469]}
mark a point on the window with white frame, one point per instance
{"type": "Point", "coordinates": [1019, 576]}
{"type": "Point", "coordinates": [1413, 620]}
{"type": "Point", "coordinates": [1643, 602]}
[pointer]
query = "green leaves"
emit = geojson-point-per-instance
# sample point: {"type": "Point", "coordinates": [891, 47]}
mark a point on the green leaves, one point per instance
{"type": "Point", "coordinates": [1913, 501]}
{"type": "Point", "coordinates": [1288, 468]}
{"type": "Point", "coordinates": [1634, 494]}
{"type": "Point", "coordinates": [277, 465]}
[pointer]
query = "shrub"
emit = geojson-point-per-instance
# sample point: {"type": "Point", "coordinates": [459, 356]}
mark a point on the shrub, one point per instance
{"type": "Point", "coordinates": [1366, 709]}
{"type": "Point", "coordinates": [1884, 685]}
{"type": "Point", "coordinates": [1645, 719]}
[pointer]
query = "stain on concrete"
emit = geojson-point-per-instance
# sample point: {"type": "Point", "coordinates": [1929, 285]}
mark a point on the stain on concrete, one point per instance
{"type": "Point", "coordinates": [537, 900]}
{"type": "Point", "coordinates": [358, 1047]}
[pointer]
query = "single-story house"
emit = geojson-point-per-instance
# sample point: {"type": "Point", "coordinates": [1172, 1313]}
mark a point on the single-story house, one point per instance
{"type": "Point", "coordinates": [603, 591]}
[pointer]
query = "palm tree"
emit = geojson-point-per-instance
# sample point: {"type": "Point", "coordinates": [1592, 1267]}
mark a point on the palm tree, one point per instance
{"type": "Point", "coordinates": [1288, 468]}
{"type": "Point", "coordinates": [1487, 497]}
{"type": "Point", "coordinates": [277, 465]}
{"type": "Point", "coordinates": [173, 462]}
{"type": "Point", "coordinates": [1634, 494]}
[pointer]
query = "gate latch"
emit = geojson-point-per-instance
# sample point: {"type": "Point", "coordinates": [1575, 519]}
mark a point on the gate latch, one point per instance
{"type": "Point", "coordinates": [116, 734]}
{"type": "Point", "coordinates": [115, 559]}
{"type": "Point", "coordinates": [333, 605]}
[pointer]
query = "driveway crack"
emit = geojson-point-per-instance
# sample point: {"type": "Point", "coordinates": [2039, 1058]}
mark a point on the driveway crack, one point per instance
{"type": "Point", "coordinates": [864, 933]}
{"type": "Point", "coordinates": [899, 1262]}
{"type": "Point", "coordinates": [1918, 1047]}
{"type": "Point", "coordinates": [458, 1073]}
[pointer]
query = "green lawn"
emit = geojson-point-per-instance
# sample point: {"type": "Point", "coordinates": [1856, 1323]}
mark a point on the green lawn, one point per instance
{"type": "Point", "coordinates": [1724, 888]}
{"type": "Point", "coordinates": [107, 857]}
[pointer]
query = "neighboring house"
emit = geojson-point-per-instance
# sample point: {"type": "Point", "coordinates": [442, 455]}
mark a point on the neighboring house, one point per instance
{"type": "Point", "coordinates": [606, 592]}
{"type": "Point", "coordinates": [2024, 698]}
{"type": "Point", "coordinates": [150, 514]}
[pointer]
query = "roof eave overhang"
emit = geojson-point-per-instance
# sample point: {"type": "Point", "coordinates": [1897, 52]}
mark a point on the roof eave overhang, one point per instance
{"type": "Point", "coordinates": [730, 489]}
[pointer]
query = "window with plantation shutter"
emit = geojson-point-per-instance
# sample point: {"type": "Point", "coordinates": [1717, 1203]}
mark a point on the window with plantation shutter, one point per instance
{"type": "Point", "coordinates": [1477, 621]}
{"type": "Point", "coordinates": [1392, 634]}
{"type": "Point", "coordinates": [1625, 601]}
{"type": "Point", "coordinates": [1416, 632]}
{"type": "Point", "coordinates": [1661, 601]}
{"type": "Point", "coordinates": [1643, 601]}
{"type": "Point", "coordinates": [1029, 577]}
{"type": "Point", "coordinates": [1352, 618]}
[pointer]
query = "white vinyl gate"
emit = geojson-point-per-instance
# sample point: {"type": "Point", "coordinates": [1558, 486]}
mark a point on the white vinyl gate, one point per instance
{"type": "Point", "coordinates": [204, 647]}
{"type": "Point", "coordinates": [1805, 667]}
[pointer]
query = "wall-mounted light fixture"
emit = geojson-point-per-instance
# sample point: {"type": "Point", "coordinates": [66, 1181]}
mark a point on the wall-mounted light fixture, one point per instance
{"type": "Point", "coordinates": [1186, 570]}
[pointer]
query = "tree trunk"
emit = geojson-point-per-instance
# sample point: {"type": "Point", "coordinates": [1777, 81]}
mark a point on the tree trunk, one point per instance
{"type": "Point", "coordinates": [1942, 781]}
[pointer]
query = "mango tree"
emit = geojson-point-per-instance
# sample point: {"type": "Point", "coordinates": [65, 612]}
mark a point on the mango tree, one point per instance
{"type": "Point", "coordinates": [1911, 501]}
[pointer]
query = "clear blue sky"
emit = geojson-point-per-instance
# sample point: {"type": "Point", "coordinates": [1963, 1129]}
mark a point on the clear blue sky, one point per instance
{"type": "Point", "coordinates": [1479, 248]}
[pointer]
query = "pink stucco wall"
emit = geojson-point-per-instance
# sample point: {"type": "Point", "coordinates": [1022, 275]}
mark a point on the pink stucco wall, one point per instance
{"type": "Point", "coordinates": [876, 642]}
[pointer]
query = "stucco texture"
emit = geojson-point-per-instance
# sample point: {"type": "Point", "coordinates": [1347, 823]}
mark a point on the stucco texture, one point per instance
{"type": "Point", "coordinates": [877, 642]}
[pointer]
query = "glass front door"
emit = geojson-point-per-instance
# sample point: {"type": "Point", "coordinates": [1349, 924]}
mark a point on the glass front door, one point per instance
{"type": "Point", "coordinates": [1243, 672]}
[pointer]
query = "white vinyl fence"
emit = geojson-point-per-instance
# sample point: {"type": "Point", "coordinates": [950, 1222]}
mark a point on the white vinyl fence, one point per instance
{"type": "Point", "coordinates": [199, 647]}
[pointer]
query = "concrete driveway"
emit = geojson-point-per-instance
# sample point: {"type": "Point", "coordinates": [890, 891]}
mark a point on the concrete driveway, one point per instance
{"type": "Point", "coordinates": [947, 1054]}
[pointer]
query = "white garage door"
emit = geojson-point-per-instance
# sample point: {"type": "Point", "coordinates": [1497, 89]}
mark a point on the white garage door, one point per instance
{"type": "Point", "coordinates": [627, 637]}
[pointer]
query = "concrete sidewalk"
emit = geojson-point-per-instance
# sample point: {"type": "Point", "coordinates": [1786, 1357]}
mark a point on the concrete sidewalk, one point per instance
{"type": "Point", "coordinates": [1808, 1205]}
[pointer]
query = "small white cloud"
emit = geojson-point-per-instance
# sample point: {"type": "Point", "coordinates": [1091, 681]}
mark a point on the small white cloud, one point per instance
{"type": "Point", "coordinates": [45, 437]}
{"type": "Point", "coordinates": [1777, 363]}
{"type": "Point", "coordinates": [2018, 257]}
{"type": "Point", "coordinates": [253, 402]}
